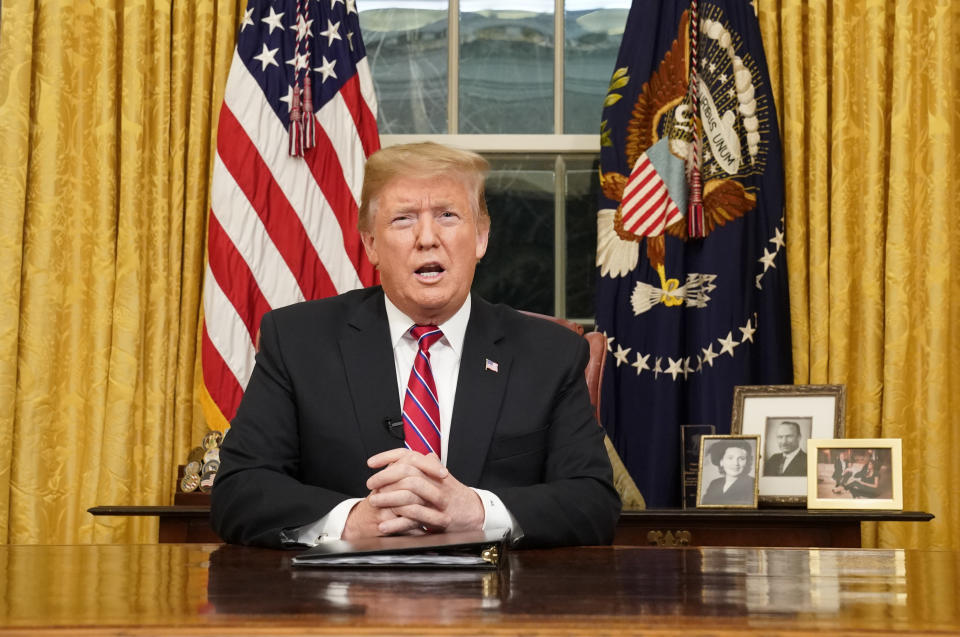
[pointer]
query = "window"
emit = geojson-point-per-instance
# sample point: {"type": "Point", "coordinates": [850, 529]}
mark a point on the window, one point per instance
{"type": "Point", "coordinates": [522, 82]}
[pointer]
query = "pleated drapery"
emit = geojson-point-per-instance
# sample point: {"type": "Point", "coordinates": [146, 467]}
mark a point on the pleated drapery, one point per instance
{"type": "Point", "coordinates": [106, 116]}
{"type": "Point", "coordinates": [868, 93]}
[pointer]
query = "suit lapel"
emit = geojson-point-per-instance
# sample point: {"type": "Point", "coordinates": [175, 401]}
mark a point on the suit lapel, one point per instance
{"type": "Point", "coordinates": [371, 373]}
{"type": "Point", "coordinates": [479, 392]}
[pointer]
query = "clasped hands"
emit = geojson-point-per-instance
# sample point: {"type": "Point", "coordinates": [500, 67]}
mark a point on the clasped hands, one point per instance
{"type": "Point", "coordinates": [413, 494]}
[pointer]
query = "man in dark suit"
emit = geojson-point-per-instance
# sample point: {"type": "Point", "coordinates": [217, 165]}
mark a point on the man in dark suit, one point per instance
{"type": "Point", "coordinates": [791, 460]}
{"type": "Point", "coordinates": [325, 442]}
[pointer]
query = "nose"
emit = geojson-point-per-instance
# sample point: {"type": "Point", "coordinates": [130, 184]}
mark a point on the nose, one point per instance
{"type": "Point", "coordinates": [426, 232]}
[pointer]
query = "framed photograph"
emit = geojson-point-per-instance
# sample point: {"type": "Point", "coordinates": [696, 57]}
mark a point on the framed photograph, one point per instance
{"type": "Point", "coordinates": [690, 461]}
{"type": "Point", "coordinates": [785, 417]}
{"type": "Point", "coordinates": [855, 473]}
{"type": "Point", "coordinates": [728, 472]}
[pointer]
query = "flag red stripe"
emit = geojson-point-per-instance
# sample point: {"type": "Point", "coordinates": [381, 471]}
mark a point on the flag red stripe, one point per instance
{"type": "Point", "coordinates": [252, 175]}
{"type": "Point", "coordinates": [328, 173]}
{"type": "Point", "coordinates": [647, 211]}
{"type": "Point", "coordinates": [655, 208]}
{"type": "Point", "coordinates": [221, 384]}
{"type": "Point", "coordinates": [235, 278]}
{"type": "Point", "coordinates": [363, 117]}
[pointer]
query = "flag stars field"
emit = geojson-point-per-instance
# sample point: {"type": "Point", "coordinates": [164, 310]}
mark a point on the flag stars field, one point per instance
{"type": "Point", "coordinates": [267, 57]}
{"type": "Point", "coordinates": [273, 20]}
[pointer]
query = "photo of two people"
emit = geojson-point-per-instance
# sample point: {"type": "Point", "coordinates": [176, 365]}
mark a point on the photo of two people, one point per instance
{"type": "Point", "coordinates": [851, 473]}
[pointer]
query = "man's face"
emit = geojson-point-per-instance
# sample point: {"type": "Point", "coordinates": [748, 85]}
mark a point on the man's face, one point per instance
{"type": "Point", "coordinates": [788, 438]}
{"type": "Point", "coordinates": [426, 243]}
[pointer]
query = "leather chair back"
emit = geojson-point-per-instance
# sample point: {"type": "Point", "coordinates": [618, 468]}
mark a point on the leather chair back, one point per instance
{"type": "Point", "coordinates": [598, 356]}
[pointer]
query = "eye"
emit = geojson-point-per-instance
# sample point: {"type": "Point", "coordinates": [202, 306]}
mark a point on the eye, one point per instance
{"type": "Point", "coordinates": [401, 220]}
{"type": "Point", "coordinates": [448, 217]}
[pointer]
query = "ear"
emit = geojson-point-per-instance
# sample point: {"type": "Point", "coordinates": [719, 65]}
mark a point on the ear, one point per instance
{"type": "Point", "coordinates": [368, 245]}
{"type": "Point", "coordinates": [483, 236]}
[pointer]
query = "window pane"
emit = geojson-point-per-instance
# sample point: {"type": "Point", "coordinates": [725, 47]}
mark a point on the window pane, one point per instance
{"type": "Point", "coordinates": [406, 43]}
{"type": "Point", "coordinates": [592, 33]}
{"type": "Point", "coordinates": [506, 66]}
{"type": "Point", "coordinates": [518, 268]}
{"type": "Point", "coordinates": [582, 190]}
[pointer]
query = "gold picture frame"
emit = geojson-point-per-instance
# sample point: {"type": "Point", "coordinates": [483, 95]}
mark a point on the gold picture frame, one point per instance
{"type": "Point", "coordinates": [713, 491]}
{"type": "Point", "coordinates": [855, 473]}
{"type": "Point", "coordinates": [769, 411]}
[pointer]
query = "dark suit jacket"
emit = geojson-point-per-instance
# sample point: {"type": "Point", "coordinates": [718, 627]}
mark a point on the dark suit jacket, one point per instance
{"type": "Point", "coordinates": [325, 383]}
{"type": "Point", "coordinates": [740, 492]}
{"type": "Point", "coordinates": [796, 468]}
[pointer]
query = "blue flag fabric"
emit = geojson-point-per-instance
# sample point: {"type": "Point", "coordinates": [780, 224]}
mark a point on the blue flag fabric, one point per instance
{"type": "Point", "coordinates": [687, 319]}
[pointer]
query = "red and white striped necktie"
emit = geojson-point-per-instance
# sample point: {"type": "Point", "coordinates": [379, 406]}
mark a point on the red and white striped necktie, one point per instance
{"type": "Point", "coordinates": [421, 411]}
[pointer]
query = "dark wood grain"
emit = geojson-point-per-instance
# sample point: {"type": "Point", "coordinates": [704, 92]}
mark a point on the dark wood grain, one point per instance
{"type": "Point", "coordinates": [669, 527]}
{"type": "Point", "coordinates": [192, 589]}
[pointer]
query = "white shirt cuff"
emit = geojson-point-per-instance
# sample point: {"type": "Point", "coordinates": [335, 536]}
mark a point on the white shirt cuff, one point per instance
{"type": "Point", "coordinates": [496, 515]}
{"type": "Point", "coordinates": [329, 527]}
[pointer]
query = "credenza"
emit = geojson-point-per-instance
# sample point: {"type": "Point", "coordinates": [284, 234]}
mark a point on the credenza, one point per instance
{"type": "Point", "coordinates": [654, 527]}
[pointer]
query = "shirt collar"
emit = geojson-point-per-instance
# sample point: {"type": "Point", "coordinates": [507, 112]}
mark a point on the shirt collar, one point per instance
{"type": "Point", "coordinates": [790, 456]}
{"type": "Point", "coordinates": [454, 329]}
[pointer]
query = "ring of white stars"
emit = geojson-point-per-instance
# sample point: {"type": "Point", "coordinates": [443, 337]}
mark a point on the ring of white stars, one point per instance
{"type": "Point", "coordinates": [683, 366]}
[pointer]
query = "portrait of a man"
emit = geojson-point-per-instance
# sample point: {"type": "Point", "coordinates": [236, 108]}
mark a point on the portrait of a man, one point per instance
{"type": "Point", "coordinates": [785, 439]}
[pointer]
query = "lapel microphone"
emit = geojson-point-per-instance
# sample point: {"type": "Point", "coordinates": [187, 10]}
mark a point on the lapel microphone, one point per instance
{"type": "Point", "coordinates": [394, 427]}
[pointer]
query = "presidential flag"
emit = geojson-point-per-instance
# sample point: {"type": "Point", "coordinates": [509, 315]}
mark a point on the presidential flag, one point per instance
{"type": "Point", "coordinates": [692, 288]}
{"type": "Point", "coordinates": [297, 123]}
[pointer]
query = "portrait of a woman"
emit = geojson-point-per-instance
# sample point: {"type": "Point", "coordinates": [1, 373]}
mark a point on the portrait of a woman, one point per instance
{"type": "Point", "coordinates": [734, 459]}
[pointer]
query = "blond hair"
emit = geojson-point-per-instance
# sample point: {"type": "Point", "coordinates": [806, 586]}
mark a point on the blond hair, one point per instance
{"type": "Point", "coordinates": [422, 160]}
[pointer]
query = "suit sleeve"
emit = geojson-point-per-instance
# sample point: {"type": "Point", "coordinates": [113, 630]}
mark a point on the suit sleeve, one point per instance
{"type": "Point", "coordinates": [575, 503]}
{"type": "Point", "coordinates": [257, 493]}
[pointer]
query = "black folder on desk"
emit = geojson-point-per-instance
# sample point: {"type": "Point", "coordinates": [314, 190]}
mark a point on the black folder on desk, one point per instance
{"type": "Point", "coordinates": [469, 549]}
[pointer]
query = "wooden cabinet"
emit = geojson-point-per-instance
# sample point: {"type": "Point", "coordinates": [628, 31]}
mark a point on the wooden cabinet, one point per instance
{"type": "Point", "coordinates": [654, 527]}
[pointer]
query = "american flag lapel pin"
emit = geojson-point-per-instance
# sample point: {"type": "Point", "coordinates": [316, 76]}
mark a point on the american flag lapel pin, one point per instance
{"type": "Point", "coordinates": [492, 366]}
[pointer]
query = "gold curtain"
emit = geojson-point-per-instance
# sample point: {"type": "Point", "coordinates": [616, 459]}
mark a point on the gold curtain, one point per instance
{"type": "Point", "coordinates": [107, 112]}
{"type": "Point", "coordinates": [105, 130]}
{"type": "Point", "coordinates": [868, 93]}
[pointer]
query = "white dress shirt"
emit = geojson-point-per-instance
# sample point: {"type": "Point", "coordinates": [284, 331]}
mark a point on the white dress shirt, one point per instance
{"type": "Point", "coordinates": [445, 364]}
{"type": "Point", "coordinates": [788, 458]}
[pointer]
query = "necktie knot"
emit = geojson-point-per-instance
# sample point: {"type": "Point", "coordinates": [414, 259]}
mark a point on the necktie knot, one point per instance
{"type": "Point", "coordinates": [426, 336]}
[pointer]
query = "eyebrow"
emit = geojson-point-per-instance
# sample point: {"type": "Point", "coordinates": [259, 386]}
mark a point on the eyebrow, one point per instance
{"type": "Point", "coordinates": [411, 206]}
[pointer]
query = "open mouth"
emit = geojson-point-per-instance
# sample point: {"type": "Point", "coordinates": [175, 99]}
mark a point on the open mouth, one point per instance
{"type": "Point", "coordinates": [430, 271]}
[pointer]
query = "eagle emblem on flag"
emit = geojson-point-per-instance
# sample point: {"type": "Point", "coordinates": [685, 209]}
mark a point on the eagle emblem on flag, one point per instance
{"type": "Point", "coordinates": [698, 114]}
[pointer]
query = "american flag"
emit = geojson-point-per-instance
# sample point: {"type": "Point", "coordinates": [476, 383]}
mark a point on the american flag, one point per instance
{"type": "Point", "coordinates": [282, 228]}
{"type": "Point", "coordinates": [646, 206]}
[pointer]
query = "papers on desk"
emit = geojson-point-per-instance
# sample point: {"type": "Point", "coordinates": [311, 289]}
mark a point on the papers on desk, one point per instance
{"type": "Point", "coordinates": [474, 549]}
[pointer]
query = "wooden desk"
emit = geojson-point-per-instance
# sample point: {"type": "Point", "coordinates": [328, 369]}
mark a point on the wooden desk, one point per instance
{"type": "Point", "coordinates": [195, 589]}
{"type": "Point", "coordinates": [658, 527]}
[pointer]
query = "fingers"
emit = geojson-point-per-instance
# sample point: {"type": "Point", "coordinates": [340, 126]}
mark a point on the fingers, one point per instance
{"type": "Point", "coordinates": [364, 520]}
{"type": "Point", "coordinates": [368, 520]}
{"type": "Point", "coordinates": [428, 464]}
{"type": "Point", "coordinates": [419, 493]}
{"type": "Point", "coordinates": [414, 519]}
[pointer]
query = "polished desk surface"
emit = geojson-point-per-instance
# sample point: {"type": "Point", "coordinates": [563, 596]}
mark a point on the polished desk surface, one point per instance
{"type": "Point", "coordinates": [188, 589]}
